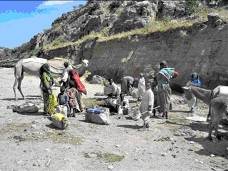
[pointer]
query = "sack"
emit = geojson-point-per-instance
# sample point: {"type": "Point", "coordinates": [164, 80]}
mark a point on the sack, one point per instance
{"type": "Point", "coordinates": [136, 113]}
{"type": "Point", "coordinates": [220, 91]}
{"type": "Point", "coordinates": [59, 120]}
{"type": "Point", "coordinates": [62, 109]}
{"type": "Point", "coordinates": [96, 79]}
{"type": "Point", "coordinates": [52, 104]}
{"type": "Point", "coordinates": [107, 90]}
{"type": "Point", "coordinates": [98, 115]}
{"type": "Point", "coordinates": [26, 108]}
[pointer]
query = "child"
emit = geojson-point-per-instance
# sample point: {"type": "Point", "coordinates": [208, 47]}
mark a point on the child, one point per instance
{"type": "Point", "coordinates": [73, 95]}
{"type": "Point", "coordinates": [63, 100]}
{"type": "Point", "coordinates": [196, 82]}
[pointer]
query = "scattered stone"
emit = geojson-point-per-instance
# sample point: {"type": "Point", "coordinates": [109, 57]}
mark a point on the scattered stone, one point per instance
{"type": "Point", "coordinates": [110, 167]}
{"type": "Point", "coordinates": [19, 138]}
{"type": "Point", "coordinates": [163, 154]}
{"type": "Point", "coordinates": [20, 162]}
{"type": "Point", "coordinates": [34, 126]}
{"type": "Point", "coordinates": [163, 139]}
{"type": "Point", "coordinates": [48, 163]}
{"type": "Point", "coordinates": [117, 145]}
{"type": "Point", "coordinates": [174, 156]}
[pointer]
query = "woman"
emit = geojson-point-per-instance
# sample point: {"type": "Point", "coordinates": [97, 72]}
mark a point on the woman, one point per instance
{"type": "Point", "coordinates": [46, 83]}
{"type": "Point", "coordinates": [74, 81]}
{"type": "Point", "coordinates": [164, 91]}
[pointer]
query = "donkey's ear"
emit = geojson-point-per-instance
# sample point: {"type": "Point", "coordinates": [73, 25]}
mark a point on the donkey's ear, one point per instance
{"type": "Point", "coordinates": [186, 88]}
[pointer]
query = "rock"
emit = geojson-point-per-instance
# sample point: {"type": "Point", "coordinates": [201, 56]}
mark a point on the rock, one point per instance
{"type": "Point", "coordinates": [19, 138]}
{"type": "Point", "coordinates": [163, 154]}
{"type": "Point", "coordinates": [171, 9]}
{"type": "Point", "coordinates": [212, 155]}
{"type": "Point", "coordinates": [96, 79]}
{"type": "Point", "coordinates": [20, 162]}
{"type": "Point", "coordinates": [117, 145]}
{"type": "Point", "coordinates": [34, 126]}
{"type": "Point", "coordinates": [214, 20]}
{"type": "Point", "coordinates": [192, 142]}
{"type": "Point", "coordinates": [174, 156]}
{"type": "Point", "coordinates": [163, 139]}
{"type": "Point", "coordinates": [110, 167]}
{"type": "Point", "coordinates": [47, 164]}
{"type": "Point", "coordinates": [135, 15]}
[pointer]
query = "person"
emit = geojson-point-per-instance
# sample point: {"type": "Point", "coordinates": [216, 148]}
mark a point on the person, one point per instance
{"type": "Point", "coordinates": [74, 81]}
{"type": "Point", "coordinates": [163, 78]}
{"type": "Point", "coordinates": [123, 105]}
{"type": "Point", "coordinates": [47, 82]}
{"type": "Point", "coordinates": [112, 89]}
{"type": "Point", "coordinates": [127, 84]}
{"type": "Point", "coordinates": [74, 101]}
{"type": "Point", "coordinates": [141, 86]}
{"type": "Point", "coordinates": [63, 101]}
{"type": "Point", "coordinates": [147, 105]}
{"type": "Point", "coordinates": [195, 80]}
{"type": "Point", "coordinates": [65, 74]}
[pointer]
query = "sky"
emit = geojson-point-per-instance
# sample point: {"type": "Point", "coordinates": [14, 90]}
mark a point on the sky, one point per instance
{"type": "Point", "coordinates": [21, 20]}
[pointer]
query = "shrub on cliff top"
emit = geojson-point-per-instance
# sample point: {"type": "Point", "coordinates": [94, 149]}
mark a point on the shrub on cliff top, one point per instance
{"type": "Point", "coordinates": [191, 6]}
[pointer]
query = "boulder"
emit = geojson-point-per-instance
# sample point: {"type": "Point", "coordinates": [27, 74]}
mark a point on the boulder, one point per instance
{"type": "Point", "coordinates": [135, 15]}
{"type": "Point", "coordinates": [214, 20]}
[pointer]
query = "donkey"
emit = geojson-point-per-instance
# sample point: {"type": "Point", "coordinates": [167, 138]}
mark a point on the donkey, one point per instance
{"type": "Point", "coordinates": [218, 110]}
{"type": "Point", "coordinates": [204, 94]}
{"type": "Point", "coordinates": [32, 66]}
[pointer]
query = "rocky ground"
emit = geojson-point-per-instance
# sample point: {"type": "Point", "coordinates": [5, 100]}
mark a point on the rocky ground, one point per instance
{"type": "Point", "coordinates": [29, 142]}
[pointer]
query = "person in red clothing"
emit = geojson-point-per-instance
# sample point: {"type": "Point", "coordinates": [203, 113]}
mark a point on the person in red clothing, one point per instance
{"type": "Point", "coordinates": [74, 81]}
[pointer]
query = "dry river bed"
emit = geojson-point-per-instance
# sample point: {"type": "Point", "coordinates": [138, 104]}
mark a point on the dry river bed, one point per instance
{"type": "Point", "coordinates": [29, 142]}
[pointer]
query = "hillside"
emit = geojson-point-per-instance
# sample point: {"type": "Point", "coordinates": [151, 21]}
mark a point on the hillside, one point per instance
{"type": "Point", "coordinates": [138, 33]}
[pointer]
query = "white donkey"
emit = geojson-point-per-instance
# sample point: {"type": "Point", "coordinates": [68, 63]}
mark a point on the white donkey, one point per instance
{"type": "Point", "coordinates": [32, 66]}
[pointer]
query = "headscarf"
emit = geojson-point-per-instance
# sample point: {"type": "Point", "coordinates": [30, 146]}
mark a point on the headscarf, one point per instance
{"type": "Point", "coordinates": [45, 68]}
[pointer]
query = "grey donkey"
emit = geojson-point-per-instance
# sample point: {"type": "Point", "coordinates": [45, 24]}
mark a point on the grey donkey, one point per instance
{"type": "Point", "coordinates": [218, 110]}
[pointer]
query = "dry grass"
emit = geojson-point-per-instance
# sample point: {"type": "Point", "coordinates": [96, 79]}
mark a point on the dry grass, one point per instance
{"type": "Point", "coordinates": [153, 26]}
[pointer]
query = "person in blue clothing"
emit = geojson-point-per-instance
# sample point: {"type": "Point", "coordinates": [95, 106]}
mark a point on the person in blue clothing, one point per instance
{"type": "Point", "coordinates": [195, 80]}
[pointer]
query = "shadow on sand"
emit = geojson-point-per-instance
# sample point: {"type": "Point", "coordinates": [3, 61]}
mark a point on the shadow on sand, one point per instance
{"type": "Point", "coordinates": [32, 114]}
{"type": "Point", "coordinates": [31, 97]}
{"type": "Point", "coordinates": [218, 148]}
{"type": "Point", "coordinates": [130, 126]}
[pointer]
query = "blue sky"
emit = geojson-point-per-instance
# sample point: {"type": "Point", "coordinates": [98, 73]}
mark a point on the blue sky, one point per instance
{"type": "Point", "coordinates": [21, 20]}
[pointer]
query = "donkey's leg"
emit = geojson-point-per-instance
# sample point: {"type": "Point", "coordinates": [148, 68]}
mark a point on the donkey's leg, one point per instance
{"type": "Point", "coordinates": [209, 114]}
{"type": "Point", "coordinates": [218, 119]}
{"type": "Point", "coordinates": [19, 87]}
{"type": "Point", "coordinates": [210, 130]}
{"type": "Point", "coordinates": [217, 135]}
{"type": "Point", "coordinates": [14, 88]}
